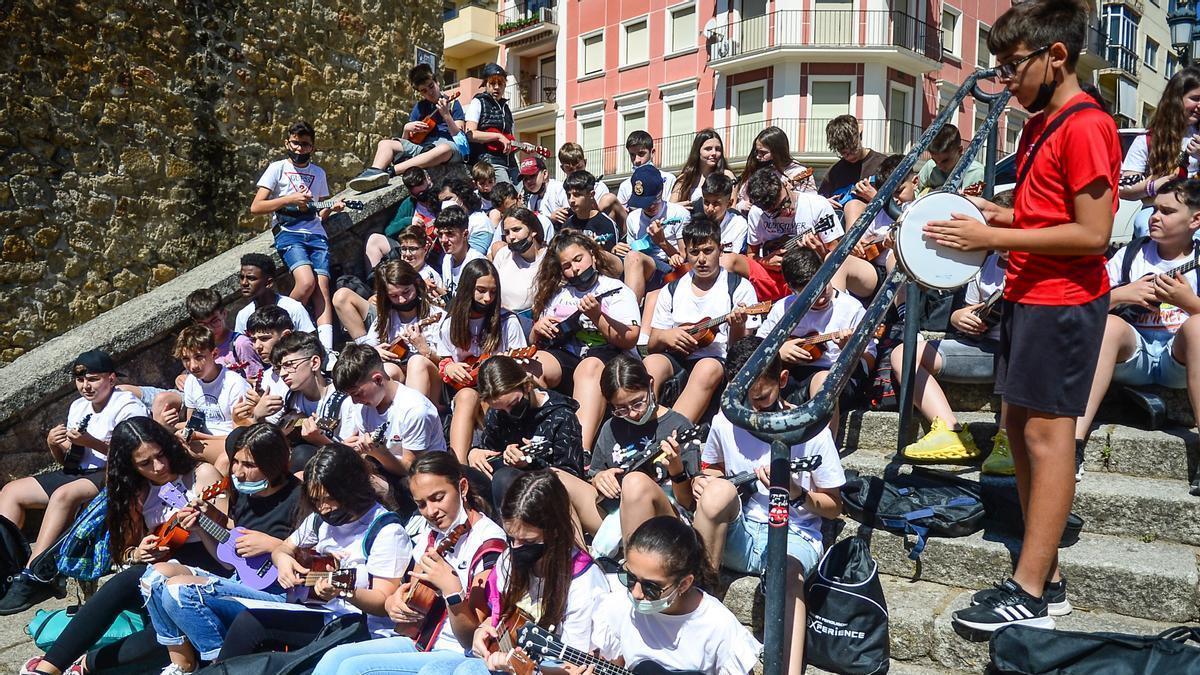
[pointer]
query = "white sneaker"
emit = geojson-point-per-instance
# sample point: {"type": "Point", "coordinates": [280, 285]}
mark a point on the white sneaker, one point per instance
{"type": "Point", "coordinates": [174, 670]}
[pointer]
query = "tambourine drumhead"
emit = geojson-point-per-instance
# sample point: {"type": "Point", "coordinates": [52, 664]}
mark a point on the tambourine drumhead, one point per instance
{"type": "Point", "coordinates": [927, 262]}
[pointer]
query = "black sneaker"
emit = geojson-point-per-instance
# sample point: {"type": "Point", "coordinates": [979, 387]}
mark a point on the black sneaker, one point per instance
{"type": "Point", "coordinates": [1079, 447]}
{"type": "Point", "coordinates": [1055, 596]}
{"type": "Point", "coordinates": [370, 179]}
{"type": "Point", "coordinates": [1195, 489]}
{"type": "Point", "coordinates": [1009, 605]}
{"type": "Point", "coordinates": [25, 593]}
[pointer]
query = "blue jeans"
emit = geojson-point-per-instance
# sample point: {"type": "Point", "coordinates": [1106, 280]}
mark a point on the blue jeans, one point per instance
{"type": "Point", "coordinates": [746, 547]}
{"type": "Point", "coordinates": [196, 613]}
{"type": "Point", "coordinates": [397, 655]}
{"type": "Point", "coordinates": [300, 248]}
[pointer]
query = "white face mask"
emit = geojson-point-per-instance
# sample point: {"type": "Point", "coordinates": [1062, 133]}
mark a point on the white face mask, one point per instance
{"type": "Point", "coordinates": [651, 408]}
{"type": "Point", "coordinates": [653, 606]}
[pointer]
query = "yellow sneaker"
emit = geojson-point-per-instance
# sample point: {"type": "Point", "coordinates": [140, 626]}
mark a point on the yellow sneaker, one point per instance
{"type": "Point", "coordinates": [942, 444]}
{"type": "Point", "coordinates": [1000, 462]}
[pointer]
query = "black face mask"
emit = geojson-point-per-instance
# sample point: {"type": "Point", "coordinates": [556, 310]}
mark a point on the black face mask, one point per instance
{"type": "Point", "coordinates": [300, 158]}
{"type": "Point", "coordinates": [1045, 93]}
{"type": "Point", "coordinates": [527, 555]}
{"type": "Point", "coordinates": [520, 247]}
{"type": "Point", "coordinates": [584, 279]}
{"type": "Point", "coordinates": [410, 305]}
{"type": "Point", "coordinates": [479, 308]}
{"type": "Point", "coordinates": [337, 517]}
{"type": "Point", "coordinates": [520, 409]}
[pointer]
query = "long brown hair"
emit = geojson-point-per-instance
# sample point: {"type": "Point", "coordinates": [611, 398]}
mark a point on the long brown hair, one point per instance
{"type": "Point", "coordinates": [691, 174]}
{"type": "Point", "coordinates": [460, 308]}
{"type": "Point", "coordinates": [396, 273]}
{"type": "Point", "coordinates": [539, 499]}
{"type": "Point", "coordinates": [550, 278]}
{"type": "Point", "coordinates": [776, 141]}
{"type": "Point", "coordinates": [1169, 122]}
{"type": "Point", "coordinates": [500, 375]}
{"type": "Point", "coordinates": [125, 483]}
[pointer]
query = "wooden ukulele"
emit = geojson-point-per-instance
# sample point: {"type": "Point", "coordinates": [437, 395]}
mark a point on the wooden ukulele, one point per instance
{"type": "Point", "coordinates": [871, 250]}
{"type": "Point", "coordinates": [400, 347]}
{"type": "Point", "coordinates": [497, 148]}
{"type": "Point", "coordinates": [171, 534]}
{"type": "Point", "coordinates": [973, 190]}
{"type": "Point", "coordinates": [509, 641]}
{"type": "Point", "coordinates": [426, 600]}
{"type": "Point", "coordinates": [540, 644]}
{"type": "Point", "coordinates": [799, 178]}
{"type": "Point", "coordinates": [430, 122]}
{"type": "Point", "coordinates": [74, 455]}
{"type": "Point", "coordinates": [245, 420]}
{"type": "Point", "coordinates": [814, 343]}
{"type": "Point", "coordinates": [520, 354]}
{"type": "Point", "coordinates": [704, 331]}
{"type": "Point", "coordinates": [320, 567]}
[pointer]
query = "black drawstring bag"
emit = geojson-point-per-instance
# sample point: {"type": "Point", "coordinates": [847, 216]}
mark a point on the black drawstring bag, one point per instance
{"type": "Point", "coordinates": [341, 630]}
{"type": "Point", "coordinates": [847, 616]}
{"type": "Point", "coordinates": [1021, 650]}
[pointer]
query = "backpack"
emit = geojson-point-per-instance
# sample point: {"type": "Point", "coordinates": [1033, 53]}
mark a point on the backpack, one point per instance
{"type": "Point", "coordinates": [923, 504]}
{"type": "Point", "coordinates": [847, 614]}
{"type": "Point", "coordinates": [14, 551]}
{"type": "Point", "coordinates": [84, 552]}
{"type": "Point", "coordinates": [344, 629]}
{"type": "Point", "coordinates": [47, 626]}
{"type": "Point", "coordinates": [1020, 650]}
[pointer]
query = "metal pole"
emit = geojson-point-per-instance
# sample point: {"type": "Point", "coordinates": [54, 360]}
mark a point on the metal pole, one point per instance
{"type": "Point", "coordinates": [914, 303]}
{"type": "Point", "coordinates": [775, 608]}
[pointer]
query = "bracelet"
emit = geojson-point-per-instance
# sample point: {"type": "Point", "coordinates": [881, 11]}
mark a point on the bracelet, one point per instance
{"type": "Point", "coordinates": [679, 477]}
{"type": "Point", "coordinates": [1151, 188]}
{"type": "Point", "coordinates": [798, 502]}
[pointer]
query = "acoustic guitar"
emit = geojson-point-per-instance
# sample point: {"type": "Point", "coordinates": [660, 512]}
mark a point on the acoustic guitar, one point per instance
{"type": "Point", "coordinates": [704, 331]}
{"type": "Point", "coordinates": [989, 311]}
{"type": "Point", "coordinates": [509, 641]}
{"type": "Point", "coordinates": [172, 534]}
{"type": "Point", "coordinates": [430, 122]}
{"type": "Point", "coordinates": [423, 598]}
{"type": "Point", "coordinates": [814, 342]}
{"type": "Point", "coordinates": [540, 644]}
{"type": "Point", "coordinates": [537, 450]}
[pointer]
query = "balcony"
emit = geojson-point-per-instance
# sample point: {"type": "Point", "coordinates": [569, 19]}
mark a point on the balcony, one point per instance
{"type": "Point", "coordinates": [469, 30]}
{"type": "Point", "coordinates": [1095, 49]}
{"type": "Point", "coordinates": [1122, 60]}
{"type": "Point", "coordinates": [532, 96]}
{"type": "Point", "coordinates": [527, 27]}
{"type": "Point", "coordinates": [826, 36]}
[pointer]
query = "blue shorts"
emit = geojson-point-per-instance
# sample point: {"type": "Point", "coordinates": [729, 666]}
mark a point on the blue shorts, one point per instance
{"type": "Point", "coordinates": [1152, 362]}
{"type": "Point", "coordinates": [746, 547]}
{"type": "Point", "coordinates": [300, 248]}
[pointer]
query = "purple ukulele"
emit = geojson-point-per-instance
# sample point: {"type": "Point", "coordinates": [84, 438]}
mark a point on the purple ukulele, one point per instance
{"type": "Point", "coordinates": [257, 572]}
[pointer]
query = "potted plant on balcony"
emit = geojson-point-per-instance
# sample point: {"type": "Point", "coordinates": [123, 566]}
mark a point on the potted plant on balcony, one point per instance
{"type": "Point", "coordinates": [513, 26]}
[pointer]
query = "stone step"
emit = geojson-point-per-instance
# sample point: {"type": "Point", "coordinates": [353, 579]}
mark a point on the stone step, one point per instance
{"type": "Point", "coordinates": [923, 642]}
{"type": "Point", "coordinates": [1147, 509]}
{"type": "Point", "coordinates": [1112, 448]}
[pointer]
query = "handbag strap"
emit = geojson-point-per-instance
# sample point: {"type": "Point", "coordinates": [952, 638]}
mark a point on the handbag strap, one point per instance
{"type": "Point", "coordinates": [1047, 133]}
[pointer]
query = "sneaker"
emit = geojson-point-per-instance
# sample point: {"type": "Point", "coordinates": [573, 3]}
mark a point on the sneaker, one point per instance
{"type": "Point", "coordinates": [942, 444]}
{"type": "Point", "coordinates": [369, 179]}
{"type": "Point", "coordinates": [30, 667]}
{"type": "Point", "coordinates": [1195, 489]}
{"type": "Point", "coordinates": [26, 592]}
{"type": "Point", "coordinates": [1008, 605]}
{"type": "Point", "coordinates": [999, 462]}
{"type": "Point", "coordinates": [1055, 596]}
{"type": "Point", "coordinates": [174, 670]}
{"type": "Point", "coordinates": [1079, 447]}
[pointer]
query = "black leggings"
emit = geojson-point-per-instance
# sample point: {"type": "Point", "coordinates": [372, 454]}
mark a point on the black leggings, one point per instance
{"type": "Point", "coordinates": [278, 628]}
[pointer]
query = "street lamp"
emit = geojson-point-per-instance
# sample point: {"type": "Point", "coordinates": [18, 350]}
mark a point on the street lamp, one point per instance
{"type": "Point", "coordinates": [1184, 31]}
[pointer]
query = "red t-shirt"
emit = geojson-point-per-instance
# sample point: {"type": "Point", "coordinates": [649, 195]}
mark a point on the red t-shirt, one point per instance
{"type": "Point", "coordinates": [1084, 148]}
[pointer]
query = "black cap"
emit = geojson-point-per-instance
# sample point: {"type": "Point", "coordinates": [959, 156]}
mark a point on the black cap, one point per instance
{"type": "Point", "coordinates": [94, 361]}
{"type": "Point", "coordinates": [492, 70]}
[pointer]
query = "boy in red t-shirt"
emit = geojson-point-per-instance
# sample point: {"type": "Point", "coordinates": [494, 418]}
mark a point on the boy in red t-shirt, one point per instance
{"type": "Point", "coordinates": [1056, 289]}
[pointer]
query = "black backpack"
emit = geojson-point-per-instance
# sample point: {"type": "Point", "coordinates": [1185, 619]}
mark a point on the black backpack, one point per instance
{"type": "Point", "coordinates": [342, 630]}
{"type": "Point", "coordinates": [14, 551]}
{"type": "Point", "coordinates": [847, 614]}
{"type": "Point", "coordinates": [1020, 650]}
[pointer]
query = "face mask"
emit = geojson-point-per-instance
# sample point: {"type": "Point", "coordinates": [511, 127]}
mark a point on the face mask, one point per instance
{"type": "Point", "coordinates": [250, 487]}
{"type": "Point", "coordinates": [299, 158]}
{"type": "Point", "coordinates": [1045, 92]}
{"type": "Point", "coordinates": [584, 279]}
{"type": "Point", "coordinates": [652, 606]}
{"type": "Point", "coordinates": [479, 308]}
{"type": "Point", "coordinates": [410, 305]}
{"type": "Point", "coordinates": [519, 410]}
{"type": "Point", "coordinates": [527, 555]}
{"type": "Point", "coordinates": [651, 406]}
{"type": "Point", "coordinates": [337, 517]}
{"type": "Point", "coordinates": [520, 247]}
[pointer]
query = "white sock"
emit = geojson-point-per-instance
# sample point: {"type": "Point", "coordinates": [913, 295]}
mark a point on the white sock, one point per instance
{"type": "Point", "coordinates": [325, 335]}
{"type": "Point", "coordinates": [363, 339]}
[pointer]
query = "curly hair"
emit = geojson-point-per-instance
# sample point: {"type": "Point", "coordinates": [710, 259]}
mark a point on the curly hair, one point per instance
{"type": "Point", "coordinates": [125, 483]}
{"type": "Point", "coordinates": [1169, 122]}
{"type": "Point", "coordinates": [549, 276]}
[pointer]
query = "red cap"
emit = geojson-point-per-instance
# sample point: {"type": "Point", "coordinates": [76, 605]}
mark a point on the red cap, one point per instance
{"type": "Point", "coordinates": [531, 165]}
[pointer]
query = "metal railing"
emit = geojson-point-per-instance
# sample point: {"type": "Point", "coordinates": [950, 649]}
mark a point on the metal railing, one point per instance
{"type": "Point", "coordinates": [514, 18]}
{"type": "Point", "coordinates": [791, 426]}
{"type": "Point", "coordinates": [531, 91]}
{"type": "Point", "coordinates": [1122, 57]}
{"type": "Point", "coordinates": [825, 28]}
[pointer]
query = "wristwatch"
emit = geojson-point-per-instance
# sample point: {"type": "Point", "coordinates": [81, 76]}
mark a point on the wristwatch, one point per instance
{"type": "Point", "coordinates": [453, 599]}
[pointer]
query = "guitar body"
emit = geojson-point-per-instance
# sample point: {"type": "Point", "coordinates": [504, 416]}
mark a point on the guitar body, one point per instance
{"type": "Point", "coordinates": [569, 325]}
{"type": "Point", "coordinates": [872, 251]}
{"type": "Point", "coordinates": [171, 535]}
{"type": "Point", "coordinates": [677, 273]}
{"type": "Point", "coordinates": [316, 564]}
{"type": "Point", "coordinates": [815, 349]}
{"type": "Point", "coordinates": [257, 572]}
{"type": "Point", "coordinates": [540, 644]}
{"type": "Point", "coordinates": [419, 137]}
{"type": "Point", "coordinates": [425, 600]}
{"type": "Point", "coordinates": [522, 353]}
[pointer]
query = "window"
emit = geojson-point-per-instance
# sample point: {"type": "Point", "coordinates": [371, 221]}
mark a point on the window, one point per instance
{"type": "Point", "coordinates": [679, 131]}
{"type": "Point", "coordinates": [635, 42]}
{"type": "Point", "coordinates": [592, 48]}
{"type": "Point", "coordinates": [634, 120]}
{"type": "Point", "coordinates": [900, 128]}
{"type": "Point", "coordinates": [834, 22]}
{"type": "Point", "coordinates": [981, 113]}
{"type": "Point", "coordinates": [1012, 133]}
{"type": "Point", "coordinates": [449, 77]}
{"type": "Point", "coordinates": [749, 118]}
{"type": "Point", "coordinates": [591, 137]}
{"type": "Point", "coordinates": [983, 56]}
{"type": "Point", "coordinates": [1122, 26]}
{"type": "Point", "coordinates": [1151, 56]}
{"type": "Point", "coordinates": [1172, 65]}
{"type": "Point", "coordinates": [951, 36]}
{"type": "Point", "coordinates": [827, 99]}
{"type": "Point", "coordinates": [681, 29]}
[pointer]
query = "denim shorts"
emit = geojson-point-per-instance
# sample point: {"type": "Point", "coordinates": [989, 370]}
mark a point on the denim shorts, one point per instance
{"type": "Point", "coordinates": [967, 361]}
{"type": "Point", "coordinates": [412, 149]}
{"type": "Point", "coordinates": [1152, 362]}
{"type": "Point", "coordinates": [300, 248]}
{"type": "Point", "coordinates": [746, 547]}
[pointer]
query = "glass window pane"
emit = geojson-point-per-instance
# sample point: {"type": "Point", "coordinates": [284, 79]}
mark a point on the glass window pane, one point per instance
{"type": "Point", "coordinates": [593, 54]}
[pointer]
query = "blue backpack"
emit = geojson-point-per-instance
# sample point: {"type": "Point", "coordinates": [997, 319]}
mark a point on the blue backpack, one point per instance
{"type": "Point", "coordinates": [84, 551]}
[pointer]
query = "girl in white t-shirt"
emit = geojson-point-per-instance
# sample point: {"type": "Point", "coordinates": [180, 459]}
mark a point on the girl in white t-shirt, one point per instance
{"type": "Point", "coordinates": [449, 512]}
{"type": "Point", "coordinates": [585, 317]}
{"type": "Point", "coordinates": [706, 157]}
{"type": "Point", "coordinates": [518, 260]}
{"type": "Point", "coordinates": [475, 325]}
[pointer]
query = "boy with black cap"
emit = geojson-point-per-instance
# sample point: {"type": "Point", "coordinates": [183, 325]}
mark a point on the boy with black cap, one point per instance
{"type": "Point", "coordinates": [81, 446]}
{"type": "Point", "coordinates": [490, 125]}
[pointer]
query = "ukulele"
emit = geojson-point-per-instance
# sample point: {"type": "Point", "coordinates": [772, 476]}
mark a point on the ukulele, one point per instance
{"type": "Point", "coordinates": [744, 480]}
{"type": "Point", "coordinates": [497, 148]}
{"type": "Point", "coordinates": [799, 178]}
{"type": "Point", "coordinates": [426, 600]}
{"type": "Point", "coordinates": [321, 567]}
{"type": "Point", "coordinates": [171, 534]}
{"type": "Point", "coordinates": [74, 455]}
{"type": "Point", "coordinates": [536, 450]}
{"type": "Point", "coordinates": [871, 250]}
{"type": "Point", "coordinates": [704, 331]}
{"type": "Point", "coordinates": [195, 423]}
{"type": "Point", "coordinates": [400, 347]}
{"type": "Point", "coordinates": [814, 342]}
{"type": "Point", "coordinates": [520, 354]}
{"type": "Point", "coordinates": [989, 311]}
{"type": "Point", "coordinates": [290, 215]}
{"type": "Point", "coordinates": [257, 572]}
{"type": "Point", "coordinates": [652, 454]}
{"type": "Point", "coordinates": [248, 419]}
{"type": "Point", "coordinates": [569, 325]}
{"type": "Point", "coordinates": [430, 122]}
{"type": "Point", "coordinates": [509, 641]}
{"type": "Point", "coordinates": [540, 644]}
{"type": "Point", "coordinates": [785, 245]}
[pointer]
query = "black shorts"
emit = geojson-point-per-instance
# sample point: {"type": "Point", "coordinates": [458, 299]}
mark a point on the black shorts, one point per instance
{"type": "Point", "coordinates": [1047, 355]}
{"type": "Point", "coordinates": [796, 391]}
{"type": "Point", "coordinates": [568, 362]}
{"type": "Point", "coordinates": [52, 480]}
{"type": "Point", "coordinates": [679, 364]}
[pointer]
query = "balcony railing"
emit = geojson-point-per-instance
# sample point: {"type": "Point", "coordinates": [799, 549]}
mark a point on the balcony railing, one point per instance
{"type": "Point", "coordinates": [825, 28]}
{"type": "Point", "coordinates": [532, 91]}
{"type": "Point", "coordinates": [1124, 58]}
{"type": "Point", "coordinates": [805, 134]}
{"type": "Point", "coordinates": [520, 17]}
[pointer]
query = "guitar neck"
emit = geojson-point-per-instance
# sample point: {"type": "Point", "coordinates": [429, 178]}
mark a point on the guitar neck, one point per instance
{"type": "Point", "coordinates": [1185, 267]}
{"type": "Point", "coordinates": [821, 338]}
{"type": "Point", "coordinates": [214, 529]}
{"type": "Point", "coordinates": [581, 658]}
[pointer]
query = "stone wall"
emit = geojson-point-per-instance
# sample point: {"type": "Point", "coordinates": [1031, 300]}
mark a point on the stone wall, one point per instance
{"type": "Point", "coordinates": [132, 133]}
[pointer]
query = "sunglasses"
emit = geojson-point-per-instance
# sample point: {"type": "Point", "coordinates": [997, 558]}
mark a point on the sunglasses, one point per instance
{"type": "Point", "coordinates": [1006, 71]}
{"type": "Point", "coordinates": [651, 590]}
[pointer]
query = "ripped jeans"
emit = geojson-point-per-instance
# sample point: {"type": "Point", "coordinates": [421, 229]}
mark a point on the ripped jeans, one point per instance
{"type": "Point", "coordinates": [196, 613]}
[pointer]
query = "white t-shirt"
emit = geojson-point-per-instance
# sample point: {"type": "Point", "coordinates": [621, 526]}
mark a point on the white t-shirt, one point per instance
{"type": "Point", "coordinates": [625, 189]}
{"type": "Point", "coordinates": [600, 190]}
{"type": "Point", "coordinates": [451, 272]}
{"type": "Point", "coordinates": [461, 557]}
{"type": "Point", "coordinates": [345, 413]}
{"type": "Point", "coordinates": [734, 231]}
{"type": "Point", "coordinates": [478, 222]}
{"type": "Point", "coordinates": [283, 178]}
{"type": "Point", "coordinates": [512, 336]}
{"type": "Point", "coordinates": [301, 321]}
{"type": "Point", "coordinates": [585, 591]}
{"type": "Point", "coordinates": [845, 311]}
{"type": "Point", "coordinates": [727, 647]}
{"type": "Point", "coordinates": [1165, 317]}
{"type": "Point", "coordinates": [121, 405]}
{"type": "Point", "coordinates": [155, 511]}
{"type": "Point", "coordinates": [673, 217]}
{"type": "Point", "coordinates": [553, 198]}
{"type": "Point", "coordinates": [685, 307]}
{"type": "Point", "coordinates": [740, 451]}
{"type": "Point", "coordinates": [215, 400]}
{"type": "Point", "coordinates": [621, 307]}
{"type": "Point", "coordinates": [391, 553]}
{"type": "Point", "coordinates": [273, 385]}
{"type": "Point", "coordinates": [517, 277]}
{"type": "Point", "coordinates": [396, 326]}
{"type": "Point", "coordinates": [1137, 159]}
{"type": "Point", "coordinates": [810, 208]}
{"type": "Point", "coordinates": [412, 422]}
{"type": "Point", "coordinates": [989, 280]}
{"type": "Point", "coordinates": [473, 111]}
{"type": "Point", "coordinates": [429, 274]}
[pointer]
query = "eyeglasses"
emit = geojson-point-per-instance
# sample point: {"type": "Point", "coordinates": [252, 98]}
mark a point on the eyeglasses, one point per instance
{"type": "Point", "coordinates": [410, 249]}
{"type": "Point", "coordinates": [1007, 71]}
{"type": "Point", "coordinates": [626, 410]}
{"type": "Point", "coordinates": [784, 205]}
{"type": "Point", "coordinates": [290, 366]}
{"type": "Point", "coordinates": [652, 590]}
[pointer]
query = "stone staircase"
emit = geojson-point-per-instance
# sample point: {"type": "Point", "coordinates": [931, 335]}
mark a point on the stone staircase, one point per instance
{"type": "Point", "coordinates": [1133, 570]}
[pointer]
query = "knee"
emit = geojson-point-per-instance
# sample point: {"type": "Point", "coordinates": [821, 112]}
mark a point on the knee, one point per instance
{"type": "Point", "coordinates": [467, 396]}
{"type": "Point", "coordinates": [639, 488]}
{"type": "Point", "coordinates": [341, 297]}
{"type": "Point", "coordinates": [589, 369]}
{"type": "Point", "coordinates": [718, 496]}
{"type": "Point", "coordinates": [708, 373]}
